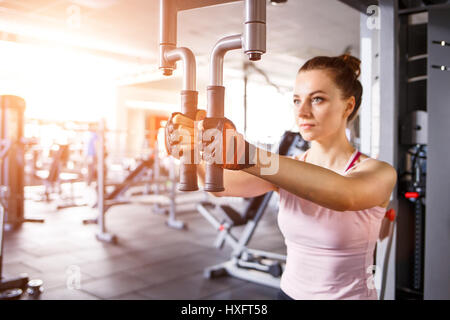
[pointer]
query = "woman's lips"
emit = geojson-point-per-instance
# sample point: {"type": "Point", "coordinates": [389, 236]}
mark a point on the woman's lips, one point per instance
{"type": "Point", "coordinates": [306, 126]}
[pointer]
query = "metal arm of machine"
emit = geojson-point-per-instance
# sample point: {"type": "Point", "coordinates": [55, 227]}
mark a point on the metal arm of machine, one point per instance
{"type": "Point", "coordinates": [169, 54]}
{"type": "Point", "coordinates": [220, 49]}
{"type": "Point", "coordinates": [253, 41]}
{"type": "Point", "coordinates": [187, 57]}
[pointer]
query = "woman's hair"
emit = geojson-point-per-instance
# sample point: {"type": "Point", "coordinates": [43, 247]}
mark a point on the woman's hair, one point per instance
{"type": "Point", "coordinates": [345, 70]}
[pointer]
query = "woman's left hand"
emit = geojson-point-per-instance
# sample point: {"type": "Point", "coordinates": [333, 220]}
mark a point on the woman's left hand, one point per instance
{"type": "Point", "coordinates": [223, 146]}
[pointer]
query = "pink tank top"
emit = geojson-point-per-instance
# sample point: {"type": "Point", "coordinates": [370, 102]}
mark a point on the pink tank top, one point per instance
{"type": "Point", "coordinates": [329, 253]}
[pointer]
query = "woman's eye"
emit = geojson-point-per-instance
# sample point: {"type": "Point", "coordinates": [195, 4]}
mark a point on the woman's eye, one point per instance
{"type": "Point", "coordinates": [317, 99]}
{"type": "Point", "coordinates": [296, 101]}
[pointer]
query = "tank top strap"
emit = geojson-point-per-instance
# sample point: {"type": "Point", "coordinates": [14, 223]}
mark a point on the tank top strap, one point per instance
{"type": "Point", "coordinates": [303, 156]}
{"type": "Point", "coordinates": [352, 160]}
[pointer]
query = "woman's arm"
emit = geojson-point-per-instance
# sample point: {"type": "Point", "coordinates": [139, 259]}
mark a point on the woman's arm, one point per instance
{"type": "Point", "coordinates": [371, 186]}
{"type": "Point", "coordinates": [238, 184]}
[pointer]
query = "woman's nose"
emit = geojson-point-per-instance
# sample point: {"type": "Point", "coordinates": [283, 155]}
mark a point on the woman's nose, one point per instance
{"type": "Point", "coordinates": [303, 109]}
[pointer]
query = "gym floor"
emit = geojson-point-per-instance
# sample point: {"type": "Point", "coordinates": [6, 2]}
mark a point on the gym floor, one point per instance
{"type": "Point", "coordinates": [150, 261]}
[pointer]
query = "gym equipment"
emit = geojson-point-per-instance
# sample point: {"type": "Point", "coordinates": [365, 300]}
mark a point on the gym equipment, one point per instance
{"type": "Point", "coordinates": [412, 164]}
{"type": "Point", "coordinates": [54, 177]}
{"type": "Point", "coordinates": [169, 55]}
{"type": "Point", "coordinates": [390, 216]}
{"type": "Point", "coordinates": [14, 288]}
{"type": "Point", "coordinates": [414, 77]}
{"type": "Point", "coordinates": [10, 289]}
{"type": "Point", "coordinates": [35, 288]}
{"type": "Point", "coordinates": [252, 265]}
{"type": "Point", "coordinates": [12, 110]}
{"type": "Point", "coordinates": [103, 235]}
{"type": "Point", "coordinates": [413, 187]}
{"type": "Point", "coordinates": [114, 197]}
{"type": "Point", "coordinates": [106, 201]}
{"type": "Point", "coordinates": [248, 264]}
{"type": "Point", "coordinates": [414, 131]}
{"type": "Point", "coordinates": [171, 222]}
{"type": "Point", "coordinates": [12, 175]}
{"type": "Point", "coordinates": [253, 41]}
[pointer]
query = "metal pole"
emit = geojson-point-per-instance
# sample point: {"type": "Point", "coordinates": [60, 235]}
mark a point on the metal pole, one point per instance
{"type": "Point", "coordinates": [254, 43]}
{"type": "Point", "coordinates": [245, 97]}
{"type": "Point", "coordinates": [389, 116]}
{"type": "Point", "coordinates": [2, 222]}
{"type": "Point", "coordinates": [167, 34]}
{"type": "Point", "coordinates": [187, 57]}
{"type": "Point", "coordinates": [169, 54]}
{"type": "Point", "coordinates": [216, 100]}
{"type": "Point", "coordinates": [172, 220]}
{"type": "Point", "coordinates": [254, 39]}
{"type": "Point", "coordinates": [100, 176]}
{"type": "Point", "coordinates": [220, 49]}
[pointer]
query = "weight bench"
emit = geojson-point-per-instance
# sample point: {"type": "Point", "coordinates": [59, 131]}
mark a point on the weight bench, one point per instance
{"type": "Point", "coordinates": [268, 266]}
{"type": "Point", "coordinates": [53, 178]}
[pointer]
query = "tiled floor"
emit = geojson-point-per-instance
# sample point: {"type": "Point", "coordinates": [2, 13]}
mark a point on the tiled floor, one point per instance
{"type": "Point", "coordinates": [151, 261]}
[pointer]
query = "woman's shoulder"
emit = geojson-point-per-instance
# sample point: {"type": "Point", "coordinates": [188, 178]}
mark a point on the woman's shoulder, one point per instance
{"type": "Point", "coordinates": [367, 166]}
{"type": "Point", "coordinates": [372, 160]}
{"type": "Point", "coordinates": [367, 163]}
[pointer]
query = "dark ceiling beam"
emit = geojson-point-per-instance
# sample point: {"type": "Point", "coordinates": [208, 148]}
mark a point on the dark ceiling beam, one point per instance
{"type": "Point", "coordinates": [193, 4]}
{"type": "Point", "coordinates": [360, 5]}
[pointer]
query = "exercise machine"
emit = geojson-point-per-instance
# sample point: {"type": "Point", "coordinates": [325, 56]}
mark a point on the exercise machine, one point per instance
{"type": "Point", "coordinates": [12, 288]}
{"type": "Point", "coordinates": [169, 210]}
{"type": "Point", "coordinates": [9, 288]}
{"type": "Point", "coordinates": [257, 266]}
{"type": "Point", "coordinates": [412, 186]}
{"type": "Point", "coordinates": [54, 177]}
{"type": "Point", "coordinates": [253, 42]}
{"type": "Point", "coordinates": [12, 173]}
{"type": "Point", "coordinates": [169, 55]}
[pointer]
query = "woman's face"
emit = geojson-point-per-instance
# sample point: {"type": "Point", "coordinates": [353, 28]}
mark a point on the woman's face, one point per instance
{"type": "Point", "coordinates": [320, 110]}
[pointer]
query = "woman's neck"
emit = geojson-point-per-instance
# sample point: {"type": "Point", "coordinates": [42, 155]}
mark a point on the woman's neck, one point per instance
{"type": "Point", "coordinates": [331, 152]}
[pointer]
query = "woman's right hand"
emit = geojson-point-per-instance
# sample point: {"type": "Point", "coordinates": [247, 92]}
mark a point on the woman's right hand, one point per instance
{"type": "Point", "coordinates": [179, 133]}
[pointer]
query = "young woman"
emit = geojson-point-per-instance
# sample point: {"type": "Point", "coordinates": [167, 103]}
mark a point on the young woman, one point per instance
{"type": "Point", "coordinates": [332, 198]}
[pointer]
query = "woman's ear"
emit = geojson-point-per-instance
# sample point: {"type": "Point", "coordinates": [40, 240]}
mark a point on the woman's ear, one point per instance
{"type": "Point", "coordinates": [349, 106]}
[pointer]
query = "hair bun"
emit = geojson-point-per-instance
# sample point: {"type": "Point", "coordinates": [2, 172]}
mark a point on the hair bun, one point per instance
{"type": "Point", "coordinates": [352, 62]}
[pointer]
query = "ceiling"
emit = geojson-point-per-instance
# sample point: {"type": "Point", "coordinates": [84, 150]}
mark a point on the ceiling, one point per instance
{"type": "Point", "coordinates": [128, 29]}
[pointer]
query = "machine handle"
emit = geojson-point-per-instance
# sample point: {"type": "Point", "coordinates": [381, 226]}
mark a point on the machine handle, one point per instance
{"type": "Point", "coordinates": [188, 171]}
{"type": "Point", "coordinates": [213, 173]}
